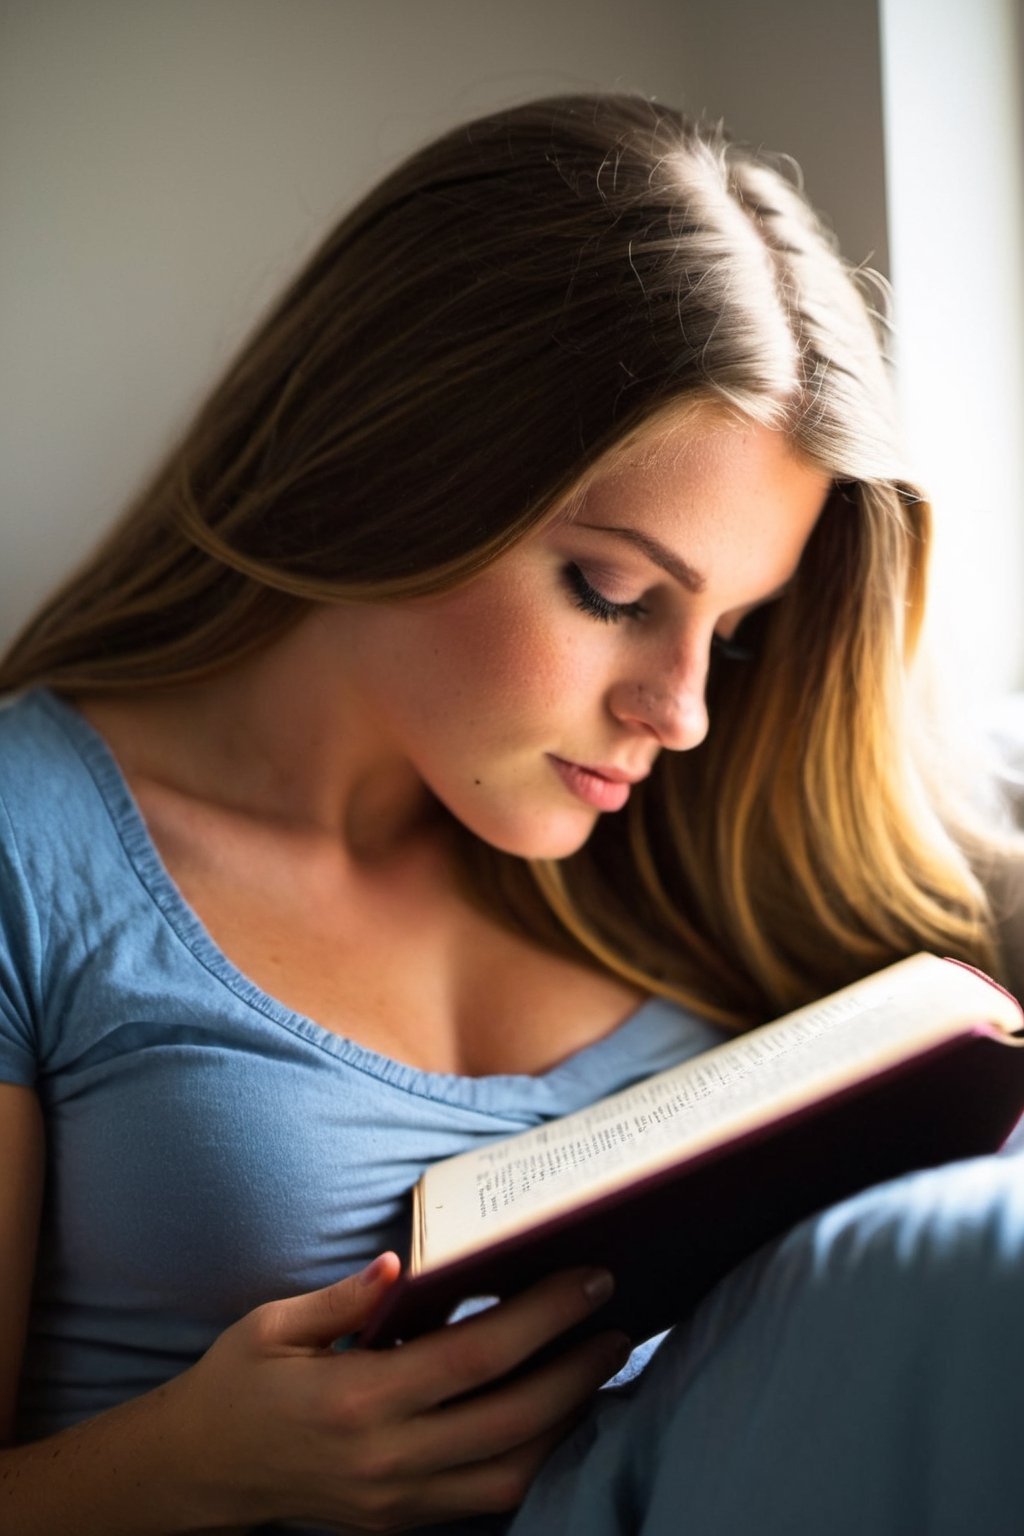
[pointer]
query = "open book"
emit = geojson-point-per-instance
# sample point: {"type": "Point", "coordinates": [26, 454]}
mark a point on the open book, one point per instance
{"type": "Point", "coordinates": [671, 1182]}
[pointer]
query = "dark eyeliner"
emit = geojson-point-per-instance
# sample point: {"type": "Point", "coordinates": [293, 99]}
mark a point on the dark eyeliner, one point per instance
{"type": "Point", "coordinates": [731, 650]}
{"type": "Point", "coordinates": [746, 640]}
{"type": "Point", "coordinates": [592, 602]}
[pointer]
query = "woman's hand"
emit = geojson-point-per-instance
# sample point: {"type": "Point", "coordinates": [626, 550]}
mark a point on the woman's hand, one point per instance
{"type": "Point", "coordinates": [280, 1426]}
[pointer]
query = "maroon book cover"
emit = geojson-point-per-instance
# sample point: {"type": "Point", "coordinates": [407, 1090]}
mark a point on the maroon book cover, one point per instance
{"type": "Point", "coordinates": [672, 1234]}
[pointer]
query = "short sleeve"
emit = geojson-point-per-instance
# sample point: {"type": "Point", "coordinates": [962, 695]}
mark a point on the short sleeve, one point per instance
{"type": "Point", "coordinates": [19, 962]}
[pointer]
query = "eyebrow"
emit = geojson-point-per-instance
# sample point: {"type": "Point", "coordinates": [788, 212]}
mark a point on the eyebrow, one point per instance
{"type": "Point", "coordinates": [661, 555]}
{"type": "Point", "coordinates": [681, 569]}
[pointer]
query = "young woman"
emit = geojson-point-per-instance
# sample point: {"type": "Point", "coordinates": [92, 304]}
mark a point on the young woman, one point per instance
{"type": "Point", "coordinates": [499, 693]}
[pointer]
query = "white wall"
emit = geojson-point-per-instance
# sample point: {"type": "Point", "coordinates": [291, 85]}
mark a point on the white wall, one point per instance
{"type": "Point", "coordinates": [803, 76]}
{"type": "Point", "coordinates": [955, 142]}
{"type": "Point", "coordinates": [164, 164]}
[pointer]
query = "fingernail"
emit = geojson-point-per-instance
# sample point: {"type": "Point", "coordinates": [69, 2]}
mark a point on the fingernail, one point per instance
{"type": "Point", "coordinates": [372, 1271]}
{"type": "Point", "coordinates": [598, 1285]}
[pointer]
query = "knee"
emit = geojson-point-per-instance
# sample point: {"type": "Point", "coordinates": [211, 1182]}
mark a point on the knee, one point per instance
{"type": "Point", "coordinates": [960, 1218]}
{"type": "Point", "coordinates": [935, 1259]}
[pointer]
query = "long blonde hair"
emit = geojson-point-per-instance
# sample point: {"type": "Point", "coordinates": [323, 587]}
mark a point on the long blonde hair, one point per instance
{"type": "Point", "coordinates": [497, 319]}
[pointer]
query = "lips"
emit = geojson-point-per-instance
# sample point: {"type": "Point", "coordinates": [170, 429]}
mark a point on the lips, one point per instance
{"type": "Point", "coordinates": [606, 789]}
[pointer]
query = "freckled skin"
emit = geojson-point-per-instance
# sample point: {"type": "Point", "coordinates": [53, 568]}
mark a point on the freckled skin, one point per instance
{"type": "Point", "coordinates": [475, 690]}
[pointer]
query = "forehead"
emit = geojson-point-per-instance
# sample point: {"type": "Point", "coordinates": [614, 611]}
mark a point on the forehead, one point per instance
{"type": "Point", "coordinates": [706, 479]}
{"type": "Point", "coordinates": [718, 453]}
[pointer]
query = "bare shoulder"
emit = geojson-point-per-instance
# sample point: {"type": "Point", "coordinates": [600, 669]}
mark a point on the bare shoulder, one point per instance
{"type": "Point", "coordinates": [21, 1184]}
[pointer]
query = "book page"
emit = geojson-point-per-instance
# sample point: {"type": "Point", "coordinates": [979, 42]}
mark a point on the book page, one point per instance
{"type": "Point", "coordinates": [478, 1197]}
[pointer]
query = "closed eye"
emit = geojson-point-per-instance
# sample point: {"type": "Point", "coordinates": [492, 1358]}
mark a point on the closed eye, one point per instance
{"type": "Point", "coordinates": [745, 641]}
{"type": "Point", "coordinates": [732, 649]}
{"type": "Point", "coordinates": [594, 603]}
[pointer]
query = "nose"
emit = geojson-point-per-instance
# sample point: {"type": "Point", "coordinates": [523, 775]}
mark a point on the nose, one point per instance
{"type": "Point", "coordinates": [666, 699]}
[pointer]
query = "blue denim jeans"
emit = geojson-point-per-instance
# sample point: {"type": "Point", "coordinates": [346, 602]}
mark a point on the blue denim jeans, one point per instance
{"type": "Point", "coordinates": [863, 1376]}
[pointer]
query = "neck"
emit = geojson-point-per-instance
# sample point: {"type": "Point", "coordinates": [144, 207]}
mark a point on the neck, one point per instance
{"type": "Point", "coordinates": [283, 736]}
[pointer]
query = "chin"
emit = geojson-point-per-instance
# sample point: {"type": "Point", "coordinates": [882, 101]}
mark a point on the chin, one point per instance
{"type": "Point", "coordinates": [555, 837]}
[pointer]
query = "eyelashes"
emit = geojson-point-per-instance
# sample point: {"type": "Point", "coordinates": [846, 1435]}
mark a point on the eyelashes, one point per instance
{"type": "Point", "coordinates": [743, 645]}
{"type": "Point", "coordinates": [747, 638]}
{"type": "Point", "coordinates": [594, 603]}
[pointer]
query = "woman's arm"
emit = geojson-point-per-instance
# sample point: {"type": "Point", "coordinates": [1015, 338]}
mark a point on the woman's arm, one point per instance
{"type": "Point", "coordinates": [21, 1188]}
{"type": "Point", "coordinates": [271, 1423]}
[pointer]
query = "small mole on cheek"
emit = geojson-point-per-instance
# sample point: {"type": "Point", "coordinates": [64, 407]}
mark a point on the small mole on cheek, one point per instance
{"type": "Point", "coordinates": [477, 782]}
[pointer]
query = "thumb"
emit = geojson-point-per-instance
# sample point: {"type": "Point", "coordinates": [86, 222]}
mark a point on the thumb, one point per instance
{"type": "Point", "coordinates": [317, 1319]}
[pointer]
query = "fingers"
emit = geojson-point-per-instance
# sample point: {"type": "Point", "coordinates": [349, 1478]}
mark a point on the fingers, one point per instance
{"type": "Point", "coordinates": [313, 1321]}
{"type": "Point", "coordinates": [496, 1486]}
{"type": "Point", "coordinates": [390, 1439]}
{"type": "Point", "coordinates": [532, 1408]}
{"type": "Point", "coordinates": [481, 1456]}
{"type": "Point", "coordinates": [481, 1349]}
{"type": "Point", "coordinates": [492, 1485]}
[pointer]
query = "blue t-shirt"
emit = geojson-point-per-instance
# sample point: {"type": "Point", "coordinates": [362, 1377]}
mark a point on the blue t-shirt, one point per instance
{"type": "Point", "coordinates": [207, 1148]}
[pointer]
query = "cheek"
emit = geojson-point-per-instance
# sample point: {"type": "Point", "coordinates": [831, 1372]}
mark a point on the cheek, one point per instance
{"type": "Point", "coordinates": [498, 647]}
{"type": "Point", "coordinates": [534, 666]}
{"type": "Point", "coordinates": [492, 658]}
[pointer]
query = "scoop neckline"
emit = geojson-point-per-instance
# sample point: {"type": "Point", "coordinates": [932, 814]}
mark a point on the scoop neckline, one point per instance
{"type": "Point", "coordinates": [144, 856]}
